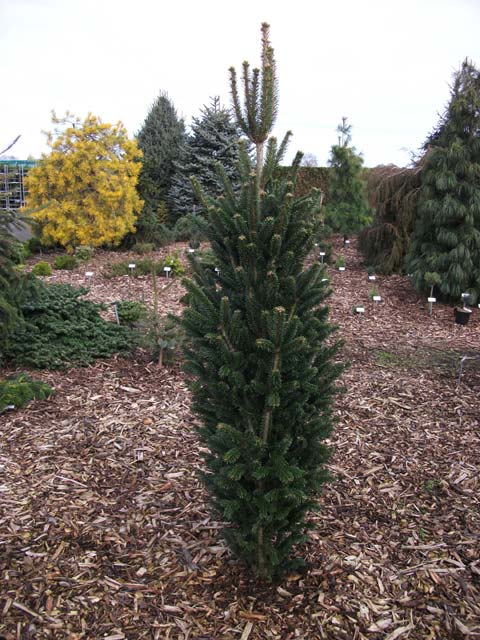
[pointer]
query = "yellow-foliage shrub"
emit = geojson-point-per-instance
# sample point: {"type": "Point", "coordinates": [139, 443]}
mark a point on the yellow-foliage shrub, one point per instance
{"type": "Point", "coordinates": [84, 191]}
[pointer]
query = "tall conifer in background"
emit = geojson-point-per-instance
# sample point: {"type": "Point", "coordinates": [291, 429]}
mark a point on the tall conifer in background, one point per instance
{"type": "Point", "coordinates": [260, 349]}
{"type": "Point", "coordinates": [161, 138]}
{"type": "Point", "coordinates": [214, 138]}
{"type": "Point", "coordinates": [446, 236]}
{"type": "Point", "coordinates": [347, 210]}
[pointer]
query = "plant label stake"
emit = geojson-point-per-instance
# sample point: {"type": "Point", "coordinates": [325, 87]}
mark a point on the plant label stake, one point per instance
{"type": "Point", "coordinates": [324, 279]}
{"type": "Point", "coordinates": [341, 268]}
{"type": "Point", "coordinates": [372, 278]}
{"type": "Point", "coordinates": [217, 271]}
{"type": "Point", "coordinates": [88, 274]}
{"type": "Point", "coordinates": [377, 298]}
{"type": "Point", "coordinates": [431, 300]}
{"type": "Point", "coordinates": [190, 250]}
{"type": "Point", "coordinates": [131, 266]}
{"type": "Point", "coordinates": [465, 298]}
{"type": "Point", "coordinates": [167, 271]}
{"type": "Point", "coordinates": [322, 255]}
{"type": "Point", "coordinates": [359, 309]}
{"type": "Point", "coordinates": [115, 311]}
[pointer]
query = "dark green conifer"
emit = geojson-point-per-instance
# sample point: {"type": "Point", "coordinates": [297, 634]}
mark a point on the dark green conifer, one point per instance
{"type": "Point", "coordinates": [260, 347]}
{"type": "Point", "coordinates": [161, 138]}
{"type": "Point", "coordinates": [214, 139]}
{"type": "Point", "coordinates": [347, 210]}
{"type": "Point", "coordinates": [14, 283]}
{"type": "Point", "coordinates": [446, 236]}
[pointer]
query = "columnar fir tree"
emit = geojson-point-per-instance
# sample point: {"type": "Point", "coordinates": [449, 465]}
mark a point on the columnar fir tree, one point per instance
{"type": "Point", "coordinates": [161, 138]}
{"type": "Point", "coordinates": [446, 236]}
{"type": "Point", "coordinates": [347, 210]}
{"type": "Point", "coordinates": [259, 345]}
{"type": "Point", "coordinates": [214, 139]}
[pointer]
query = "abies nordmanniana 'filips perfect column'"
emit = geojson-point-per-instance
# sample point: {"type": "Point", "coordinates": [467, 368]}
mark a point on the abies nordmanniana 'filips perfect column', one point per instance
{"type": "Point", "coordinates": [260, 347]}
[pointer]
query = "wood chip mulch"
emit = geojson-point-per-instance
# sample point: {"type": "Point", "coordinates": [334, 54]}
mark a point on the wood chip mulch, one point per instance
{"type": "Point", "coordinates": [105, 530]}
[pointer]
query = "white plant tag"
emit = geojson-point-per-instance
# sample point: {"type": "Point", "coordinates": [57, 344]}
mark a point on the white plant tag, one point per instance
{"type": "Point", "coordinates": [88, 274]}
{"type": "Point", "coordinates": [360, 309]}
{"type": "Point", "coordinates": [377, 298]}
{"type": "Point", "coordinates": [131, 265]}
{"type": "Point", "coordinates": [372, 277]}
{"type": "Point", "coordinates": [432, 299]}
{"type": "Point", "coordinates": [322, 253]}
{"type": "Point", "coordinates": [341, 268]}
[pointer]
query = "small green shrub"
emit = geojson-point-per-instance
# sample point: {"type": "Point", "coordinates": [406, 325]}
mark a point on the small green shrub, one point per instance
{"type": "Point", "coordinates": [143, 247]}
{"type": "Point", "coordinates": [60, 330]}
{"type": "Point", "coordinates": [17, 391]}
{"type": "Point", "coordinates": [42, 269]}
{"type": "Point", "coordinates": [129, 312]}
{"type": "Point", "coordinates": [84, 254]}
{"type": "Point", "coordinates": [173, 261]}
{"type": "Point", "coordinates": [194, 242]}
{"type": "Point", "coordinates": [163, 338]}
{"type": "Point", "coordinates": [65, 262]}
{"type": "Point", "coordinates": [325, 247]}
{"type": "Point", "coordinates": [34, 244]}
{"type": "Point", "coordinates": [145, 266]}
{"type": "Point", "coordinates": [19, 253]}
{"type": "Point", "coordinates": [142, 268]}
{"type": "Point", "coordinates": [188, 226]}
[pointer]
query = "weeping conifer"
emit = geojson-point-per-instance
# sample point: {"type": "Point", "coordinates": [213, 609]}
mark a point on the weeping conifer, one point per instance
{"type": "Point", "coordinates": [446, 236]}
{"type": "Point", "coordinates": [260, 347]}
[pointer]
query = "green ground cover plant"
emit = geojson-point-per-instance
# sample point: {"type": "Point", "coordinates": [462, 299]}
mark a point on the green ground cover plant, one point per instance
{"type": "Point", "coordinates": [61, 330]}
{"type": "Point", "coordinates": [17, 391]}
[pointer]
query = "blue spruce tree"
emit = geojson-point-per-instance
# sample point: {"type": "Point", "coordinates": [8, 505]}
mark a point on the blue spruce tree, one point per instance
{"type": "Point", "coordinates": [214, 139]}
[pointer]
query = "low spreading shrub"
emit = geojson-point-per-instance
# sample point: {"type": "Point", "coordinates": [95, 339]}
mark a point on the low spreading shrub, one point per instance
{"type": "Point", "coordinates": [145, 266]}
{"type": "Point", "coordinates": [84, 254]}
{"type": "Point", "coordinates": [17, 391]}
{"type": "Point", "coordinates": [130, 312]}
{"type": "Point", "coordinates": [143, 247]}
{"type": "Point", "coordinates": [66, 262]}
{"type": "Point", "coordinates": [61, 330]}
{"type": "Point", "coordinates": [42, 269]}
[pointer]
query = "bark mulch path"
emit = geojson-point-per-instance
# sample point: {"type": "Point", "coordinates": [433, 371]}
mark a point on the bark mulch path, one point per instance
{"type": "Point", "coordinates": [105, 531]}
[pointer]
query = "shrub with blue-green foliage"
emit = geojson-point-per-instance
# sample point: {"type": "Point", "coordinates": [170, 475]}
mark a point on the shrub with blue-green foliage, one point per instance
{"type": "Point", "coordinates": [61, 330]}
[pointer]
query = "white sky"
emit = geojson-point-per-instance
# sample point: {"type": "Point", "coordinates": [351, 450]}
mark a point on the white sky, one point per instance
{"type": "Point", "coordinates": [385, 64]}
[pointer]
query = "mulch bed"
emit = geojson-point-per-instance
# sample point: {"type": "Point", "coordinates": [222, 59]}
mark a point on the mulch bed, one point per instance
{"type": "Point", "coordinates": [105, 530]}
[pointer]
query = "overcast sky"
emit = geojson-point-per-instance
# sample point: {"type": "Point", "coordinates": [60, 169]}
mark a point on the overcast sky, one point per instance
{"type": "Point", "coordinates": [385, 64]}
